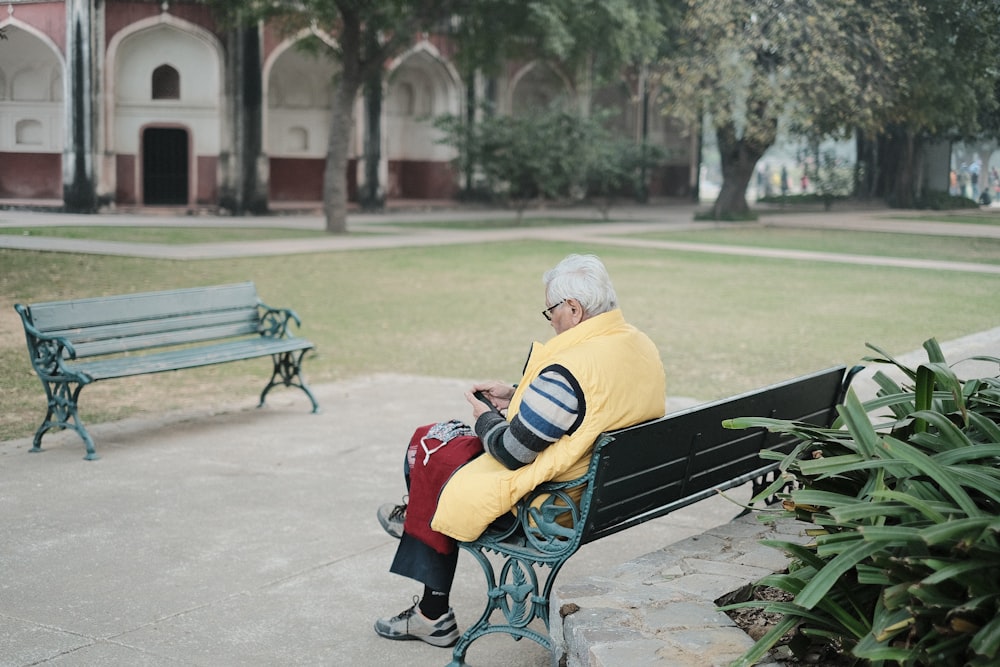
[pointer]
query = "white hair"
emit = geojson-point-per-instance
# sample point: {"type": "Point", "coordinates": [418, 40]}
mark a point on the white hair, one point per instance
{"type": "Point", "coordinates": [583, 278]}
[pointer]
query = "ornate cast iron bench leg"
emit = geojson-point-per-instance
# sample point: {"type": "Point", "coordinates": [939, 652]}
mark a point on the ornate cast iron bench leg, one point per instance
{"type": "Point", "coordinates": [518, 595]}
{"type": "Point", "coordinates": [62, 413]}
{"type": "Point", "coordinates": [287, 368]}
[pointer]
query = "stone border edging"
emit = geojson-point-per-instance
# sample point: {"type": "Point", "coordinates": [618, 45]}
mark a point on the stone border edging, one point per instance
{"type": "Point", "coordinates": [660, 609]}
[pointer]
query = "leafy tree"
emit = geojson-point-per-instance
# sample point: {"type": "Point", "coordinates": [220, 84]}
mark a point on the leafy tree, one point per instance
{"type": "Point", "coordinates": [367, 33]}
{"type": "Point", "coordinates": [948, 90]}
{"type": "Point", "coordinates": [614, 166]}
{"type": "Point", "coordinates": [593, 41]}
{"type": "Point", "coordinates": [747, 65]}
{"type": "Point", "coordinates": [551, 154]}
{"type": "Point", "coordinates": [520, 158]}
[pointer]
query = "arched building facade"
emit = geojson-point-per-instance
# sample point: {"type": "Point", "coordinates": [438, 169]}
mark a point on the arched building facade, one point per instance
{"type": "Point", "coordinates": [139, 103]}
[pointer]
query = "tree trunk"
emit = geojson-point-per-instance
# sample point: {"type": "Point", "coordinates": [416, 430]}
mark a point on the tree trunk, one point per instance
{"type": "Point", "coordinates": [345, 91]}
{"type": "Point", "coordinates": [867, 168]}
{"type": "Point", "coordinates": [371, 195]}
{"type": "Point", "coordinates": [905, 184]}
{"type": "Point", "coordinates": [898, 150]}
{"type": "Point", "coordinates": [738, 159]}
{"type": "Point", "coordinates": [335, 172]}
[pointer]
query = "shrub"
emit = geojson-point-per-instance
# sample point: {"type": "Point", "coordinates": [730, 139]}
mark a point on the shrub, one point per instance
{"type": "Point", "coordinates": [549, 154]}
{"type": "Point", "coordinates": [942, 201]}
{"type": "Point", "coordinates": [905, 566]}
{"type": "Point", "coordinates": [832, 177]}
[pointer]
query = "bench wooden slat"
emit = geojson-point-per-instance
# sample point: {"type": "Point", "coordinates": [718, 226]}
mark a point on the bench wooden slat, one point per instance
{"type": "Point", "coordinates": [135, 337]}
{"type": "Point", "coordinates": [247, 316]}
{"type": "Point", "coordinates": [96, 311]}
{"type": "Point", "coordinates": [190, 357]}
{"type": "Point", "coordinates": [718, 458]}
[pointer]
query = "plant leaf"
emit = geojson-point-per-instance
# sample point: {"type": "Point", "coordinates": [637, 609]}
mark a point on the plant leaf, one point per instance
{"type": "Point", "coordinates": [827, 578]}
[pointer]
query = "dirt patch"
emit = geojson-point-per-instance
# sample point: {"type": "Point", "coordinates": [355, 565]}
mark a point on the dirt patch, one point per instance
{"type": "Point", "coordinates": [757, 622]}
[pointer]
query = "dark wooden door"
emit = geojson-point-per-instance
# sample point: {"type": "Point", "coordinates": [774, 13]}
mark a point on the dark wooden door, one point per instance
{"type": "Point", "coordinates": [165, 166]}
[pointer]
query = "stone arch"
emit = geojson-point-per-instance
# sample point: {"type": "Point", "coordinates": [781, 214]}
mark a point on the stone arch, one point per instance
{"type": "Point", "coordinates": [537, 85]}
{"type": "Point", "coordinates": [298, 87]}
{"type": "Point", "coordinates": [29, 132]}
{"type": "Point", "coordinates": [134, 54]}
{"type": "Point", "coordinates": [297, 140]}
{"type": "Point", "coordinates": [166, 83]}
{"type": "Point", "coordinates": [421, 85]}
{"type": "Point", "coordinates": [298, 94]}
{"type": "Point", "coordinates": [622, 108]}
{"type": "Point", "coordinates": [32, 117]}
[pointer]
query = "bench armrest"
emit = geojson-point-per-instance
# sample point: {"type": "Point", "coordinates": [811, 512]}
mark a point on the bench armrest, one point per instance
{"type": "Point", "coordinates": [274, 321]}
{"type": "Point", "coordinates": [548, 519]}
{"type": "Point", "coordinates": [47, 351]}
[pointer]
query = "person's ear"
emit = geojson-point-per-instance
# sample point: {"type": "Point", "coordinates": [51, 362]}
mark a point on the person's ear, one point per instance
{"type": "Point", "coordinates": [576, 310]}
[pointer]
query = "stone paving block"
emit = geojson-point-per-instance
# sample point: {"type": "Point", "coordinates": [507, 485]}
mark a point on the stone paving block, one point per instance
{"type": "Point", "coordinates": [700, 586]}
{"type": "Point", "coordinates": [743, 528]}
{"type": "Point", "coordinates": [763, 557]}
{"type": "Point", "coordinates": [713, 646]}
{"type": "Point", "coordinates": [637, 653]}
{"type": "Point", "coordinates": [734, 569]}
{"type": "Point", "coordinates": [684, 615]}
{"type": "Point", "coordinates": [700, 545]}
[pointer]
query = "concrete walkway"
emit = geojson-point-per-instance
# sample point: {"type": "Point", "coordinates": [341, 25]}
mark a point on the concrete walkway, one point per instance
{"type": "Point", "coordinates": [393, 229]}
{"type": "Point", "coordinates": [247, 536]}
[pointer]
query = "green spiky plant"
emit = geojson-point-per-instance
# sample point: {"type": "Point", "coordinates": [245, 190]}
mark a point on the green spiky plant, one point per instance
{"type": "Point", "coordinates": [904, 497]}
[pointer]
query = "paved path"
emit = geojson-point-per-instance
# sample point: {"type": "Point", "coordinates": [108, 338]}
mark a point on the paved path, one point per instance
{"type": "Point", "coordinates": [393, 230]}
{"type": "Point", "coordinates": [238, 537]}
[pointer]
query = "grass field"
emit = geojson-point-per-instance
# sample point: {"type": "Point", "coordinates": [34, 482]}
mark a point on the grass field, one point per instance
{"type": "Point", "coordinates": [723, 324]}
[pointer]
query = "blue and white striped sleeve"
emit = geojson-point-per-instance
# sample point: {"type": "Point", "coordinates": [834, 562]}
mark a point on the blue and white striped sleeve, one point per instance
{"type": "Point", "coordinates": [551, 406]}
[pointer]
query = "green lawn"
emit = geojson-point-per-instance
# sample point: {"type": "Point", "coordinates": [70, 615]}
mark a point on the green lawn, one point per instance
{"type": "Point", "coordinates": [723, 324]}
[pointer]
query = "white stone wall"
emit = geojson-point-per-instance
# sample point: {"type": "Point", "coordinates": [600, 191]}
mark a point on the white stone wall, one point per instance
{"type": "Point", "coordinates": [199, 65]}
{"type": "Point", "coordinates": [31, 94]}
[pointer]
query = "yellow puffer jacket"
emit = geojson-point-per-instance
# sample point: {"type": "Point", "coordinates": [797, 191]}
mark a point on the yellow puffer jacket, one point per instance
{"type": "Point", "coordinates": [620, 373]}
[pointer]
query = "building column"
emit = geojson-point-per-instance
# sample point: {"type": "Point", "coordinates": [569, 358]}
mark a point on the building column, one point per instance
{"type": "Point", "coordinates": [245, 173]}
{"type": "Point", "coordinates": [79, 182]}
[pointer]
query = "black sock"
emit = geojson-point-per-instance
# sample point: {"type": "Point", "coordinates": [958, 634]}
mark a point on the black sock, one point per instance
{"type": "Point", "coordinates": [434, 604]}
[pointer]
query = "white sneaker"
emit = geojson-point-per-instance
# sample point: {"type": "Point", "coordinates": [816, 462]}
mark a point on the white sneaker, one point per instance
{"type": "Point", "coordinates": [411, 624]}
{"type": "Point", "coordinates": [392, 517]}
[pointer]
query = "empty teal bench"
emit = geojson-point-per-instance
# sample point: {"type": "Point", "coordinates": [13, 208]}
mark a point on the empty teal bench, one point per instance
{"type": "Point", "coordinates": [74, 343]}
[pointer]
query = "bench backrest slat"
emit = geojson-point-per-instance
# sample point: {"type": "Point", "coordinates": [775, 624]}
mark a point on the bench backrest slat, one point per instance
{"type": "Point", "coordinates": [651, 469]}
{"type": "Point", "coordinates": [105, 325]}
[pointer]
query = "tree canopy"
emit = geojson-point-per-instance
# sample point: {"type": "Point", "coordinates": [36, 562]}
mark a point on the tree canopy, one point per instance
{"type": "Point", "coordinates": [927, 68]}
{"type": "Point", "coordinates": [748, 65]}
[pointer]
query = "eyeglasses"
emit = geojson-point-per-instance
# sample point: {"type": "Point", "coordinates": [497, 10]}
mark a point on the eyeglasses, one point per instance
{"type": "Point", "coordinates": [547, 313]}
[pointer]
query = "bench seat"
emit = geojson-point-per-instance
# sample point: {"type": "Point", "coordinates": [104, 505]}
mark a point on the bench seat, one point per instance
{"type": "Point", "coordinates": [191, 357]}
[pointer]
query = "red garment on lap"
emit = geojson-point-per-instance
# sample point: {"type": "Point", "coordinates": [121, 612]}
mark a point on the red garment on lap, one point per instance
{"type": "Point", "coordinates": [426, 481]}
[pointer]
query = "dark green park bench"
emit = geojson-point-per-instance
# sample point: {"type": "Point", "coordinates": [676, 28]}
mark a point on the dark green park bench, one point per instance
{"type": "Point", "coordinates": [636, 474]}
{"type": "Point", "coordinates": [74, 343]}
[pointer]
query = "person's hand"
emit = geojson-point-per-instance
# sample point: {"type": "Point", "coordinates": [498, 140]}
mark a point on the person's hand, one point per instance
{"type": "Point", "coordinates": [497, 392]}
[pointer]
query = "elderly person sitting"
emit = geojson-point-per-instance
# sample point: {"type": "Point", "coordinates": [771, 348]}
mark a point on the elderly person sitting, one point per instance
{"type": "Point", "coordinates": [596, 374]}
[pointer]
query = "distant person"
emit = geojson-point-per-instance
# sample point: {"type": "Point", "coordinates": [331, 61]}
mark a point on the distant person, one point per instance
{"type": "Point", "coordinates": [596, 374]}
{"type": "Point", "coordinates": [784, 181]}
{"type": "Point", "coordinates": [974, 170]}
